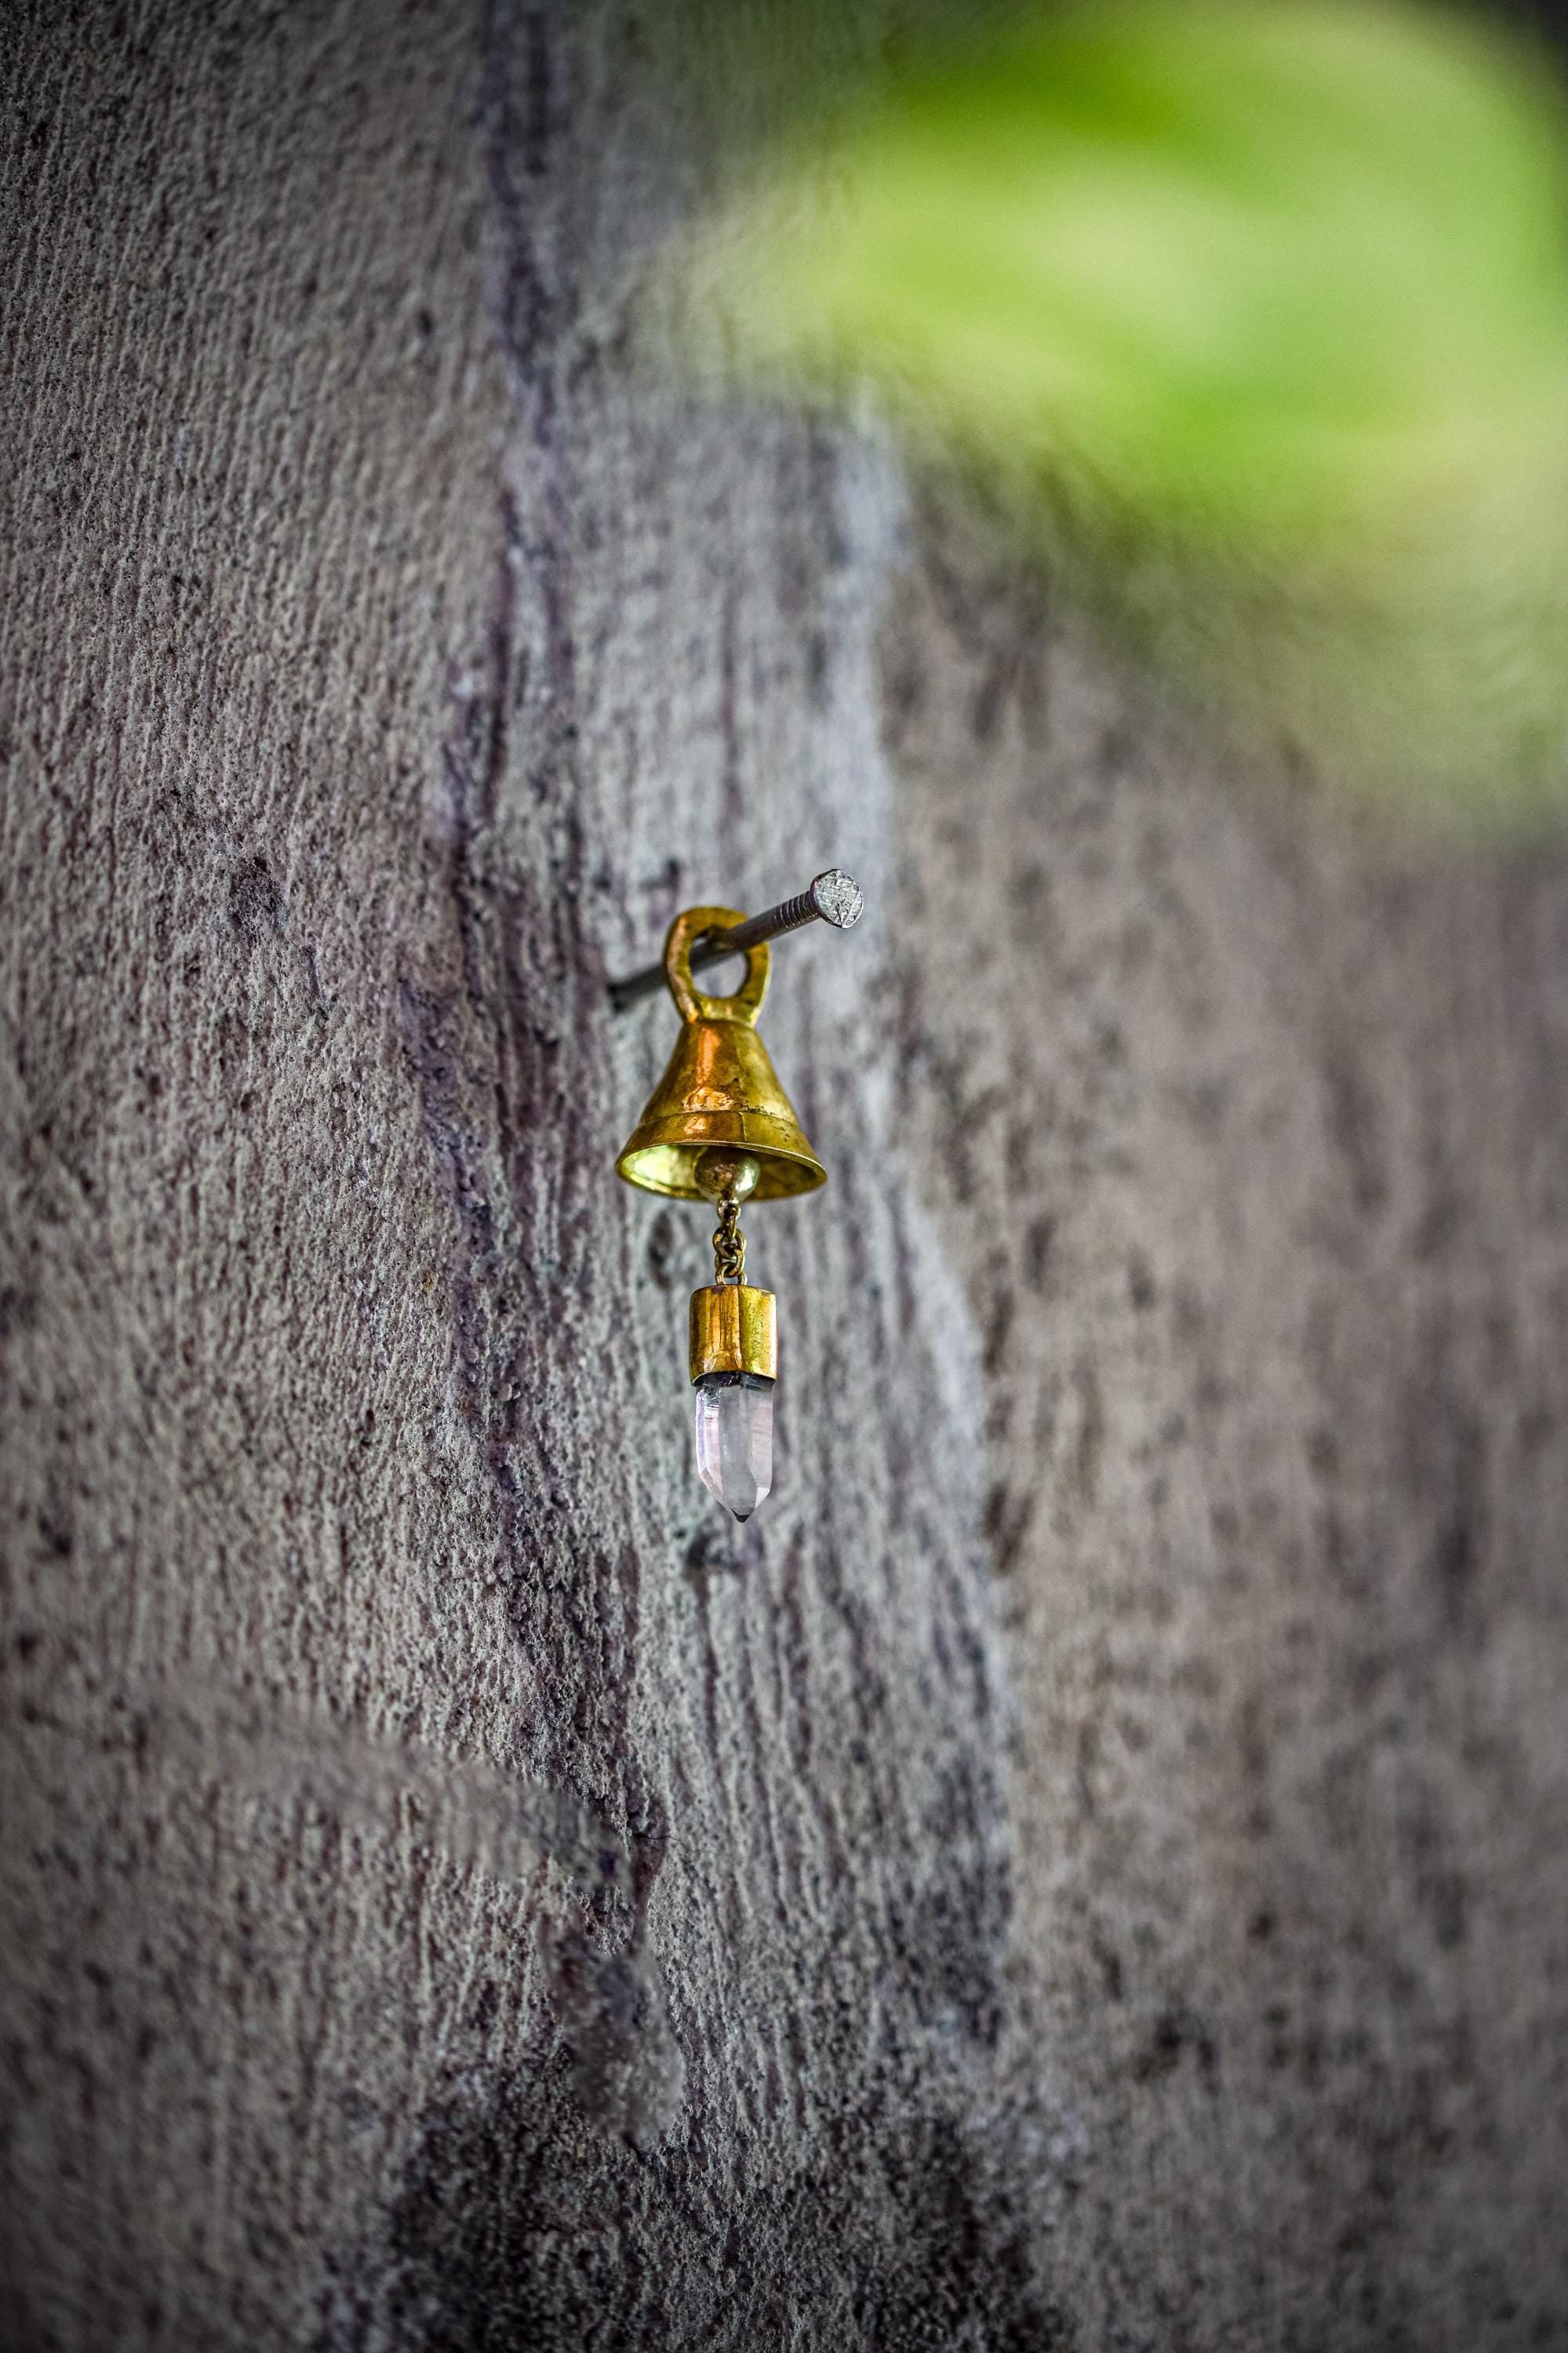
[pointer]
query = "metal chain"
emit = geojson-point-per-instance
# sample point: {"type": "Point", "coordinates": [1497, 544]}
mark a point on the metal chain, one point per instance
{"type": "Point", "coordinates": [729, 1242]}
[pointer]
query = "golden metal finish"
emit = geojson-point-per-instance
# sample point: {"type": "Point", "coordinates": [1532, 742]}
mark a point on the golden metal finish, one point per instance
{"type": "Point", "coordinates": [722, 1175]}
{"type": "Point", "coordinates": [719, 1087]}
{"type": "Point", "coordinates": [734, 1331]}
{"type": "Point", "coordinates": [729, 1243]}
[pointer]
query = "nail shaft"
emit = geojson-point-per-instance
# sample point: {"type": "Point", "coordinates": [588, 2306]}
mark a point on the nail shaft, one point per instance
{"type": "Point", "coordinates": [832, 898]}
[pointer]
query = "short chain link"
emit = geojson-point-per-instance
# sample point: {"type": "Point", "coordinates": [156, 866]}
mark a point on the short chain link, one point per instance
{"type": "Point", "coordinates": [729, 1242]}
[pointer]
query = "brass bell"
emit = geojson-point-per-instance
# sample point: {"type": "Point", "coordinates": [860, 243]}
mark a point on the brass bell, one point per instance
{"type": "Point", "coordinates": [719, 1088]}
{"type": "Point", "coordinates": [719, 1127]}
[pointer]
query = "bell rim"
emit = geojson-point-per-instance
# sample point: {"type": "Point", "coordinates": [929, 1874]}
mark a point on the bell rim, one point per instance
{"type": "Point", "coordinates": [808, 1172]}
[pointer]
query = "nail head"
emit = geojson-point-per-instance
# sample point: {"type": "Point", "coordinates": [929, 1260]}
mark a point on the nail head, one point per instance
{"type": "Point", "coordinates": [837, 899]}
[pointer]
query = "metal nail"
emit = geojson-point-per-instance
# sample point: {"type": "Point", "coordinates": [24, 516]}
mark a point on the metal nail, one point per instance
{"type": "Point", "coordinates": [834, 898]}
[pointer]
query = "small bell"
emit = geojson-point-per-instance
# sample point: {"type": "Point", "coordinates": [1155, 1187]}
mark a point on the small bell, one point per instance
{"type": "Point", "coordinates": [719, 1086]}
{"type": "Point", "coordinates": [719, 1127]}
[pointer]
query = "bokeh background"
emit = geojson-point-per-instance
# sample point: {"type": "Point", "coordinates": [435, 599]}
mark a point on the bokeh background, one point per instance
{"type": "Point", "coordinates": [1084, 1869]}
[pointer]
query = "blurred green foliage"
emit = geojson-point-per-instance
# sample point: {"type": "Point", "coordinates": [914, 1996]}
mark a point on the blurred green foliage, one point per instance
{"type": "Point", "coordinates": [1255, 316]}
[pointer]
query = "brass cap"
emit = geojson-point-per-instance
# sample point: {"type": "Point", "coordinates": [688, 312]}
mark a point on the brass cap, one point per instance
{"type": "Point", "coordinates": [734, 1330]}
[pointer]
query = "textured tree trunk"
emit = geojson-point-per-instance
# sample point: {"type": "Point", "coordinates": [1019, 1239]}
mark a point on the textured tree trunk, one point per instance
{"type": "Point", "coordinates": [1083, 1868]}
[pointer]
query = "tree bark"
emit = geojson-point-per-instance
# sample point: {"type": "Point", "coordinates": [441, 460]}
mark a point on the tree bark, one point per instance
{"type": "Point", "coordinates": [1082, 1868]}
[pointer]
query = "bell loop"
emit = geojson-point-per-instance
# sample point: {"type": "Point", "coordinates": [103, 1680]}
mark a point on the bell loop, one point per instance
{"type": "Point", "coordinates": [692, 1006]}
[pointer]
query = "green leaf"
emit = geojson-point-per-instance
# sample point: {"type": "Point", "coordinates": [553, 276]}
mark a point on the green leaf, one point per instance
{"type": "Point", "coordinates": [1257, 316]}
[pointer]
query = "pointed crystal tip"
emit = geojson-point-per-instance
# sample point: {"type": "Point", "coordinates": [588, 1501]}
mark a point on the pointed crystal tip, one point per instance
{"type": "Point", "coordinates": [735, 1439]}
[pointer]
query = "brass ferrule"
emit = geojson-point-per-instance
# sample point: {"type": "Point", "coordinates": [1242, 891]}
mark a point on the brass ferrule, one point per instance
{"type": "Point", "coordinates": [734, 1330]}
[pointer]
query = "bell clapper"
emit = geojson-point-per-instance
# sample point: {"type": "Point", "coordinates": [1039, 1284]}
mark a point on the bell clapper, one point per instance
{"type": "Point", "coordinates": [727, 1178]}
{"type": "Point", "coordinates": [719, 1127]}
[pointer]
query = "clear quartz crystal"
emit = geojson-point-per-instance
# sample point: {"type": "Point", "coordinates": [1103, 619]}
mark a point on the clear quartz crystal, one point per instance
{"type": "Point", "coordinates": [735, 1439]}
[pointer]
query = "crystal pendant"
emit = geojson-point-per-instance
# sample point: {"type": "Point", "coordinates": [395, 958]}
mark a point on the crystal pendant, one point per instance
{"type": "Point", "coordinates": [735, 1439]}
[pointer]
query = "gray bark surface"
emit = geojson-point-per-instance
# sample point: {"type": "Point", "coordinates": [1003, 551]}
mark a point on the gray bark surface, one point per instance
{"type": "Point", "coordinates": [1083, 1868]}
